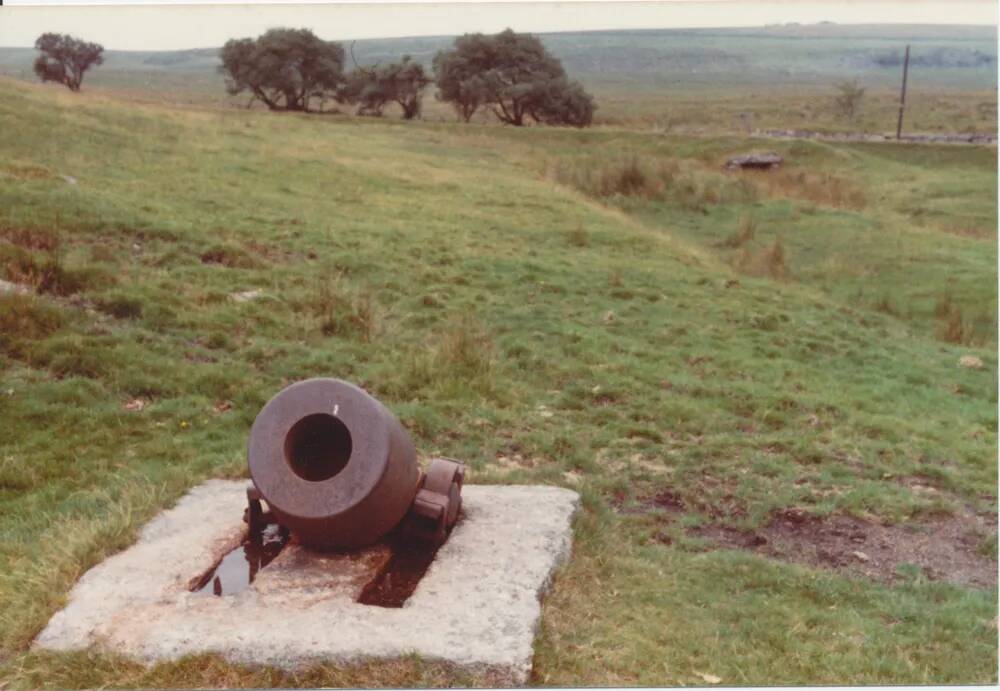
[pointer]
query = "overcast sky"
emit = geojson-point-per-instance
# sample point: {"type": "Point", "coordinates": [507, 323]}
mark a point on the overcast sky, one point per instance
{"type": "Point", "coordinates": [175, 24]}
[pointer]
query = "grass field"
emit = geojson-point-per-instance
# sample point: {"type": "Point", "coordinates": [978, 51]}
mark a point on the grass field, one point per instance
{"type": "Point", "coordinates": [693, 351]}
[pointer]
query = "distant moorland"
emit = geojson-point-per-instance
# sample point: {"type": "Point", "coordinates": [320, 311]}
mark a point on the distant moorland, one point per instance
{"type": "Point", "coordinates": [675, 80]}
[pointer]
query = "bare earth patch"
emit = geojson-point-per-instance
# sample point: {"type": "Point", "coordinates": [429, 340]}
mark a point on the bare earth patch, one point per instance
{"type": "Point", "coordinates": [947, 548]}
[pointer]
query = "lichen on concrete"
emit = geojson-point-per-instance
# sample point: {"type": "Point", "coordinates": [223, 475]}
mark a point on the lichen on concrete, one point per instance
{"type": "Point", "coordinates": [477, 607]}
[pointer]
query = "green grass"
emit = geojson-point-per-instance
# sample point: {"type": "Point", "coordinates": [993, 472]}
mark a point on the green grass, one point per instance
{"type": "Point", "coordinates": [894, 228]}
{"type": "Point", "coordinates": [510, 315]}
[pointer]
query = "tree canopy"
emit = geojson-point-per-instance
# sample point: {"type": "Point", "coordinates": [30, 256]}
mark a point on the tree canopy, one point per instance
{"type": "Point", "coordinates": [458, 78]}
{"type": "Point", "coordinates": [400, 82]}
{"type": "Point", "coordinates": [515, 76]}
{"type": "Point", "coordinates": [283, 68]}
{"type": "Point", "coordinates": [65, 59]}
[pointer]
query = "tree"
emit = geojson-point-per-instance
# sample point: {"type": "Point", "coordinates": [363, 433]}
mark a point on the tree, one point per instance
{"type": "Point", "coordinates": [283, 68]}
{"type": "Point", "coordinates": [375, 87]}
{"type": "Point", "coordinates": [363, 88]}
{"type": "Point", "coordinates": [515, 76]}
{"type": "Point", "coordinates": [65, 59]}
{"type": "Point", "coordinates": [458, 78]}
{"type": "Point", "coordinates": [562, 102]}
{"type": "Point", "coordinates": [407, 81]}
{"type": "Point", "coordinates": [849, 100]}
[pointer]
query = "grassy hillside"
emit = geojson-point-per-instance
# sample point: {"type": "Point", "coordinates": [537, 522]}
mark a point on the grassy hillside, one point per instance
{"type": "Point", "coordinates": [681, 80]}
{"type": "Point", "coordinates": [581, 308]}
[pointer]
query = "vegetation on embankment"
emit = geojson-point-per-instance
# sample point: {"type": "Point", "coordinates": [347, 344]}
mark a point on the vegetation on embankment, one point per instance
{"type": "Point", "coordinates": [542, 330]}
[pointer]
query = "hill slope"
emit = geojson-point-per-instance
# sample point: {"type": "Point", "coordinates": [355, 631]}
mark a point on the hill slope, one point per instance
{"type": "Point", "coordinates": [518, 314]}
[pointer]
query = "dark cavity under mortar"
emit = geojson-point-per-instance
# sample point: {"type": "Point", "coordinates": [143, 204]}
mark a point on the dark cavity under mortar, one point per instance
{"type": "Point", "coordinates": [396, 581]}
{"type": "Point", "coordinates": [391, 586]}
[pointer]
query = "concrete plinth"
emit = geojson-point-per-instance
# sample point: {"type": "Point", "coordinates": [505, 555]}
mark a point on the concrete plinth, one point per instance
{"type": "Point", "coordinates": [477, 606]}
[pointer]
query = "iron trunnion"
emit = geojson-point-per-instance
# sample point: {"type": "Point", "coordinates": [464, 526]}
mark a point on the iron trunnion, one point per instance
{"type": "Point", "coordinates": [339, 471]}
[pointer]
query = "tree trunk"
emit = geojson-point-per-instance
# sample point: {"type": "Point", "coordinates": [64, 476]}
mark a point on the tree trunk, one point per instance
{"type": "Point", "coordinates": [506, 117]}
{"type": "Point", "coordinates": [411, 108]}
{"type": "Point", "coordinates": [271, 103]}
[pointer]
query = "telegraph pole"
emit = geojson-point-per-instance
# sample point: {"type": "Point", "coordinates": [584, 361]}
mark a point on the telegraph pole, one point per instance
{"type": "Point", "coordinates": [902, 94]}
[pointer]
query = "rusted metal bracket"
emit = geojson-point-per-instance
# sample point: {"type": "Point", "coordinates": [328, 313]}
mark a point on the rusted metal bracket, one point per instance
{"type": "Point", "coordinates": [439, 499]}
{"type": "Point", "coordinates": [256, 518]}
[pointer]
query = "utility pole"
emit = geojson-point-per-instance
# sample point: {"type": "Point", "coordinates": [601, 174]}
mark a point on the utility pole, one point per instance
{"type": "Point", "coordinates": [902, 94]}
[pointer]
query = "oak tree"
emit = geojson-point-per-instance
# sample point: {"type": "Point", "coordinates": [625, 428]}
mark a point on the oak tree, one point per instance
{"type": "Point", "coordinates": [65, 59]}
{"type": "Point", "coordinates": [373, 88]}
{"type": "Point", "coordinates": [283, 68]}
{"type": "Point", "coordinates": [515, 76]}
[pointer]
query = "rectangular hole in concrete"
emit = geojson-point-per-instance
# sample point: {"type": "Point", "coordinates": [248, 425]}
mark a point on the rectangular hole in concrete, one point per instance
{"type": "Point", "coordinates": [396, 581]}
{"type": "Point", "coordinates": [237, 569]}
{"type": "Point", "coordinates": [399, 577]}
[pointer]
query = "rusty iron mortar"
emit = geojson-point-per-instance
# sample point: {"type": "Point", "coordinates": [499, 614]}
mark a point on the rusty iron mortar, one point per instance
{"type": "Point", "coordinates": [339, 471]}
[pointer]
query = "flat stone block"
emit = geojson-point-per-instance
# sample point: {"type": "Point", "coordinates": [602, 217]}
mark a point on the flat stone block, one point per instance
{"type": "Point", "coordinates": [477, 607]}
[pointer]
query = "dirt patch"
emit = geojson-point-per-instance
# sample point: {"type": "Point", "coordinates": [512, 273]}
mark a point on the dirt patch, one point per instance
{"type": "Point", "coordinates": [28, 172]}
{"type": "Point", "coordinates": [948, 548]}
{"type": "Point", "coordinates": [276, 254]}
{"type": "Point", "coordinates": [31, 238]}
{"type": "Point", "coordinates": [229, 256]}
{"type": "Point", "coordinates": [720, 507]}
{"type": "Point", "coordinates": [968, 231]}
{"type": "Point", "coordinates": [665, 500]}
{"type": "Point", "coordinates": [509, 460]}
{"type": "Point", "coordinates": [958, 548]}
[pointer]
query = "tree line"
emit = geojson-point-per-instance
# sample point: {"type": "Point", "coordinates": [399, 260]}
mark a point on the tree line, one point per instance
{"type": "Point", "coordinates": [509, 74]}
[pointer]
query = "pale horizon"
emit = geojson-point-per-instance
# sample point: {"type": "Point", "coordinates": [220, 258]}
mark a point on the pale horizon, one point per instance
{"type": "Point", "coordinates": [181, 25]}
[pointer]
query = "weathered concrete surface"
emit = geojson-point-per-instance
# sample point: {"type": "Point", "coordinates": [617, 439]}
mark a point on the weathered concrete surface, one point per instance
{"type": "Point", "coordinates": [478, 606]}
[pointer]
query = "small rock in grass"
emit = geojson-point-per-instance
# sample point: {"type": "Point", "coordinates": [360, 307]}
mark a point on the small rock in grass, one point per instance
{"type": "Point", "coordinates": [764, 160]}
{"type": "Point", "coordinates": [247, 295]}
{"type": "Point", "coordinates": [135, 404]}
{"type": "Point", "coordinates": [861, 556]}
{"type": "Point", "coordinates": [709, 678]}
{"type": "Point", "coordinates": [970, 361]}
{"type": "Point", "coordinates": [68, 179]}
{"type": "Point", "coordinates": [8, 288]}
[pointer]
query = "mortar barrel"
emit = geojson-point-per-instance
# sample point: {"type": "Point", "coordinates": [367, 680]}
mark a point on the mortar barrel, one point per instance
{"type": "Point", "coordinates": [333, 464]}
